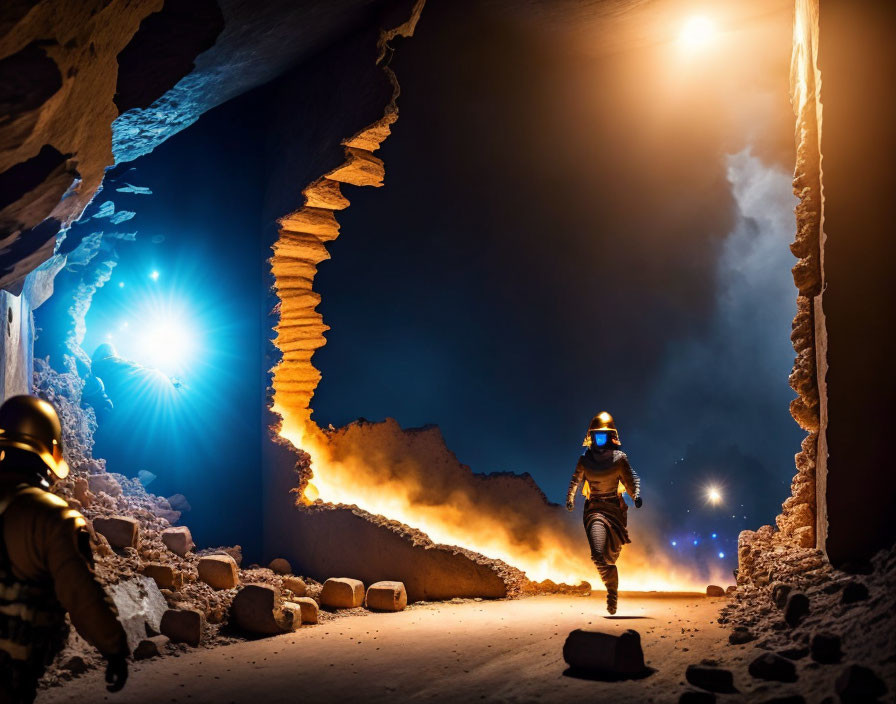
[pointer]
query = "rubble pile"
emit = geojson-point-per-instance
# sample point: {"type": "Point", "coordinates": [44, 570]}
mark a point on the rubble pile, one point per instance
{"type": "Point", "coordinates": [793, 604]}
{"type": "Point", "coordinates": [139, 552]}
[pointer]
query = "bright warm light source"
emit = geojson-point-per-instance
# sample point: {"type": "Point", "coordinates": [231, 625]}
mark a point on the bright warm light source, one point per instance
{"type": "Point", "coordinates": [696, 33]}
{"type": "Point", "coordinates": [713, 495]}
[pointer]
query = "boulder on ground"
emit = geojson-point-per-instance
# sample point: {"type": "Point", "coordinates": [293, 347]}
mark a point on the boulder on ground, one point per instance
{"type": "Point", "coordinates": [780, 592]}
{"type": "Point", "coordinates": [825, 648]}
{"type": "Point", "coordinates": [342, 593]}
{"type": "Point", "coordinates": [696, 696]}
{"type": "Point", "coordinates": [295, 585]}
{"type": "Point", "coordinates": [178, 540]}
{"type": "Point", "coordinates": [309, 609]}
{"type": "Point", "coordinates": [386, 596]}
{"type": "Point", "coordinates": [258, 609]}
{"type": "Point", "coordinates": [796, 652]}
{"type": "Point", "coordinates": [280, 566]}
{"type": "Point", "coordinates": [76, 665]}
{"type": "Point", "coordinates": [731, 589]}
{"type": "Point", "coordinates": [714, 590]}
{"type": "Point", "coordinates": [140, 604]}
{"type": "Point", "coordinates": [710, 677]}
{"type": "Point", "coordinates": [741, 635]}
{"type": "Point", "coordinates": [770, 666]}
{"type": "Point", "coordinates": [796, 608]}
{"type": "Point", "coordinates": [605, 653]}
{"type": "Point", "coordinates": [854, 592]}
{"type": "Point", "coordinates": [104, 483]}
{"type": "Point", "coordinates": [218, 571]}
{"type": "Point", "coordinates": [164, 576]}
{"type": "Point", "coordinates": [857, 683]}
{"type": "Point", "coordinates": [150, 647]}
{"type": "Point", "coordinates": [120, 531]}
{"type": "Point", "coordinates": [183, 626]}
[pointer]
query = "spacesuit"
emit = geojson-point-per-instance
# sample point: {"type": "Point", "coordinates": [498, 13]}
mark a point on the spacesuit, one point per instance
{"type": "Point", "coordinates": [603, 467]}
{"type": "Point", "coordinates": [45, 559]}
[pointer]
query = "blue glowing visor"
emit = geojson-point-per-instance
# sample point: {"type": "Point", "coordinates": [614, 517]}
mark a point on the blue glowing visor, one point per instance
{"type": "Point", "coordinates": [600, 438]}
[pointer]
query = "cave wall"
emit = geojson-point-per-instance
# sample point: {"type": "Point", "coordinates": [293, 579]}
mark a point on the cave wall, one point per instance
{"type": "Point", "coordinates": [18, 340]}
{"type": "Point", "coordinates": [857, 64]}
{"type": "Point", "coordinates": [88, 84]}
{"type": "Point", "coordinates": [331, 116]}
{"type": "Point", "coordinates": [843, 374]}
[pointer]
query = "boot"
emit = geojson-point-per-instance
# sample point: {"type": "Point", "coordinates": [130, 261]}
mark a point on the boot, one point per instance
{"type": "Point", "coordinates": [612, 600]}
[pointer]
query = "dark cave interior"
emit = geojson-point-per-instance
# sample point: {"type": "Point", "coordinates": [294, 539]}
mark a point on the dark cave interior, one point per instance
{"type": "Point", "coordinates": [256, 287]}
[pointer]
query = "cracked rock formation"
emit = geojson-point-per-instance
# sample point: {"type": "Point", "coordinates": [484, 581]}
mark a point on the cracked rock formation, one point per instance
{"type": "Point", "coordinates": [394, 552]}
{"type": "Point", "coordinates": [85, 85]}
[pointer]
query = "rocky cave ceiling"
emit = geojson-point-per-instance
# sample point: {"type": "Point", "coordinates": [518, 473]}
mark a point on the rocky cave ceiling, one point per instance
{"type": "Point", "coordinates": [86, 85]}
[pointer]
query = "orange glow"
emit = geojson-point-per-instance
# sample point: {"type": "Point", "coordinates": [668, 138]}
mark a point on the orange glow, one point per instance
{"type": "Point", "coordinates": [697, 33]}
{"type": "Point", "coordinates": [560, 553]}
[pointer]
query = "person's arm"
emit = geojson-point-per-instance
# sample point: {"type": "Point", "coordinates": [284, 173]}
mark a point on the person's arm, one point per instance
{"type": "Point", "coordinates": [630, 480]}
{"type": "Point", "coordinates": [51, 539]}
{"type": "Point", "coordinates": [44, 536]}
{"type": "Point", "coordinates": [574, 485]}
{"type": "Point", "coordinates": [67, 558]}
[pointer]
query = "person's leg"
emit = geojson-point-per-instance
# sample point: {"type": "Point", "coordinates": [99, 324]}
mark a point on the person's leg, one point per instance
{"type": "Point", "coordinates": [597, 536]}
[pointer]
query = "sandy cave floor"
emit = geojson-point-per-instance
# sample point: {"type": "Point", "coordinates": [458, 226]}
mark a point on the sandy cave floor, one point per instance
{"type": "Point", "coordinates": [508, 651]}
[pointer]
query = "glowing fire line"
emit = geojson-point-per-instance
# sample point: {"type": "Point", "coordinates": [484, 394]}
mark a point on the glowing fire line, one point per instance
{"type": "Point", "coordinates": [566, 560]}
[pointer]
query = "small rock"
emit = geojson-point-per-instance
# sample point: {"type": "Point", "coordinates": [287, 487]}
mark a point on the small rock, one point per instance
{"type": "Point", "coordinates": [342, 593]}
{"type": "Point", "coordinates": [386, 596]}
{"type": "Point", "coordinates": [854, 592]}
{"type": "Point", "coordinates": [741, 635]}
{"type": "Point", "coordinates": [104, 483]}
{"type": "Point", "coordinates": [606, 653]}
{"type": "Point", "coordinates": [714, 590]}
{"type": "Point", "coordinates": [825, 648]}
{"type": "Point", "coordinates": [714, 679]}
{"type": "Point", "coordinates": [780, 592]}
{"type": "Point", "coordinates": [796, 608]}
{"type": "Point", "coordinates": [857, 683]}
{"type": "Point", "coordinates": [295, 585]}
{"type": "Point", "coordinates": [731, 589]}
{"type": "Point", "coordinates": [171, 516]}
{"type": "Point", "coordinates": [82, 492]}
{"type": "Point", "coordinates": [179, 503]}
{"type": "Point", "coordinates": [696, 696]}
{"type": "Point", "coordinates": [140, 606]}
{"type": "Point", "coordinates": [120, 531]}
{"type": "Point", "coordinates": [76, 665]}
{"type": "Point", "coordinates": [280, 566]}
{"type": "Point", "coordinates": [770, 666]}
{"type": "Point", "coordinates": [795, 653]}
{"type": "Point", "coordinates": [163, 575]}
{"type": "Point", "coordinates": [258, 609]}
{"type": "Point", "coordinates": [183, 626]}
{"type": "Point", "coordinates": [178, 540]}
{"type": "Point", "coordinates": [309, 609]}
{"type": "Point", "coordinates": [218, 571]}
{"type": "Point", "coordinates": [151, 647]}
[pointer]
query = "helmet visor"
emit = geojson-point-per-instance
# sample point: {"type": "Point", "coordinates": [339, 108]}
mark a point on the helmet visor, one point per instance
{"type": "Point", "coordinates": [600, 438]}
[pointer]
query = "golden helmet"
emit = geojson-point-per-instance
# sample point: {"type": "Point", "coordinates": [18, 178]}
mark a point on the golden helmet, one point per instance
{"type": "Point", "coordinates": [31, 424]}
{"type": "Point", "coordinates": [603, 421]}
